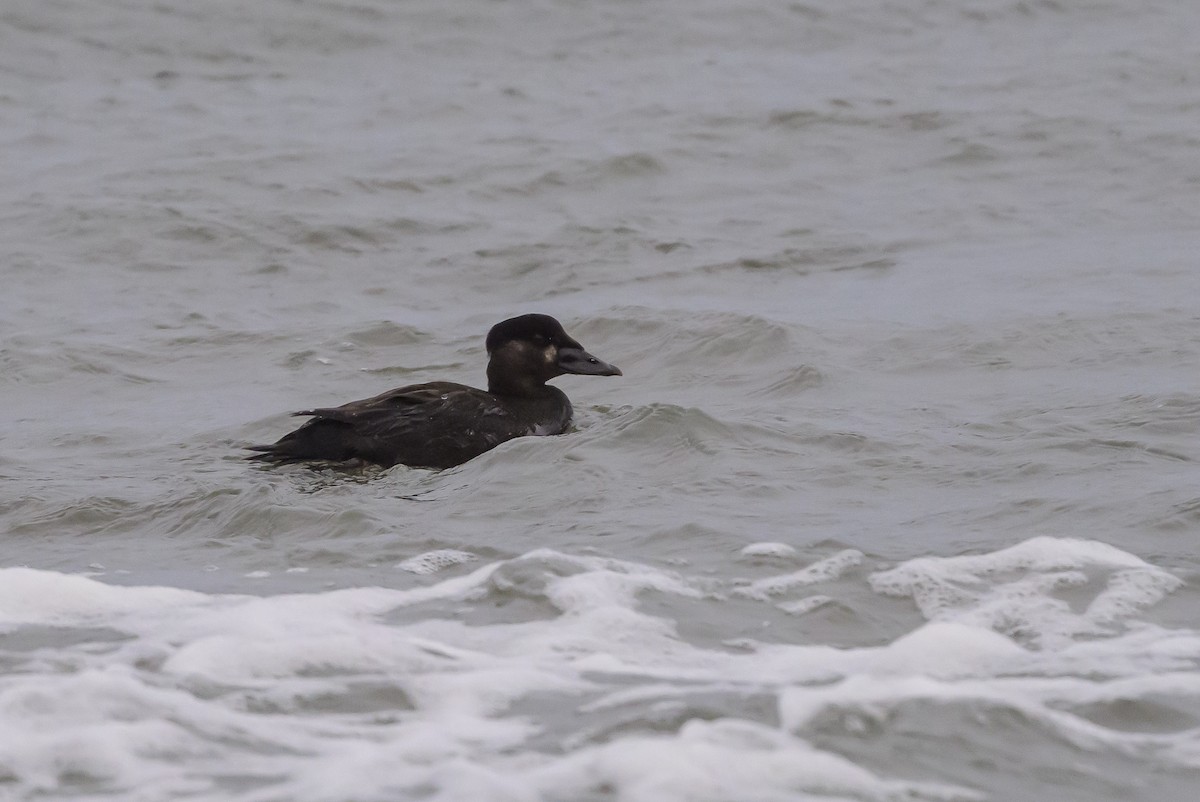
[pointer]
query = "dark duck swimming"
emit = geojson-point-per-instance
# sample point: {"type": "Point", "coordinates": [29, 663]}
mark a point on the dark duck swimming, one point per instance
{"type": "Point", "coordinates": [442, 424]}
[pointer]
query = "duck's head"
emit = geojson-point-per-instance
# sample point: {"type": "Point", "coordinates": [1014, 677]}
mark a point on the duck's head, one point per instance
{"type": "Point", "coordinates": [525, 352]}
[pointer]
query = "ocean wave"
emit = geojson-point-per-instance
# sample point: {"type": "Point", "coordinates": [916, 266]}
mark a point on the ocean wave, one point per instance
{"type": "Point", "coordinates": [154, 690]}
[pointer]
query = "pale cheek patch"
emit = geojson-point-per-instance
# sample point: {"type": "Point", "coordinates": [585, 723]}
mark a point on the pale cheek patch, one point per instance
{"type": "Point", "coordinates": [550, 354]}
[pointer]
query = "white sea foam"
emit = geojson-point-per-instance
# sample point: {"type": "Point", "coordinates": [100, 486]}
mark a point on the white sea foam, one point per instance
{"type": "Point", "coordinates": [1013, 590]}
{"type": "Point", "coordinates": [821, 571]}
{"type": "Point", "coordinates": [722, 760]}
{"type": "Point", "coordinates": [332, 696]}
{"type": "Point", "coordinates": [431, 562]}
{"type": "Point", "coordinates": [805, 605]}
{"type": "Point", "coordinates": [770, 550]}
{"type": "Point", "coordinates": [37, 597]}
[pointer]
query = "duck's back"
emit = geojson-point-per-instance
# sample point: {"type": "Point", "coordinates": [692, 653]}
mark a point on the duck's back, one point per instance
{"type": "Point", "coordinates": [435, 425]}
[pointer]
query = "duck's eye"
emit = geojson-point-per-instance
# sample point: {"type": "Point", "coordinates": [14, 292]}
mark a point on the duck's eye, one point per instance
{"type": "Point", "coordinates": [541, 340]}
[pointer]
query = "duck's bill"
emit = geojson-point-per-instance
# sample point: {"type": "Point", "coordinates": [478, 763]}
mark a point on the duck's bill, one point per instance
{"type": "Point", "coordinates": [577, 360]}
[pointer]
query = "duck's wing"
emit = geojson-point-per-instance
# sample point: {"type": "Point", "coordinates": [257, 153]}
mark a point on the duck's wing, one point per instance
{"type": "Point", "coordinates": [432, 425]}
{"type": "Point", "coordinates": [401, 401]}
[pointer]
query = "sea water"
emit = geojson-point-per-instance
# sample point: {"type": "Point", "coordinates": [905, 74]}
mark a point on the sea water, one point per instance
{"type": "Point", "coordinates": [897, 498]}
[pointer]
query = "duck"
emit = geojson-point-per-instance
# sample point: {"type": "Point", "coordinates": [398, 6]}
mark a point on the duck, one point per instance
{"type": "Point", "coordinates": [439, 425]}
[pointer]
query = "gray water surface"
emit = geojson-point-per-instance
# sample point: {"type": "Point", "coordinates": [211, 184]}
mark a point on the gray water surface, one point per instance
{"type": "Point", "coordinates": [897, 497]}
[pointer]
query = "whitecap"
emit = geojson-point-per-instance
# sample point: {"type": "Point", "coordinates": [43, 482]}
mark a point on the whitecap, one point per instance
{"type": "Point", "coordinates": [825, 570]}
{"type": "Point", "coordinates": [431, 562]}
{"type": "Point", "coordinates": [386, 693]}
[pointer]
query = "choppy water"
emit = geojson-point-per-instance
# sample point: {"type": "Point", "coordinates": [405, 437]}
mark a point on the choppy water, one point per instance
{"type": "Point", "coordinates": [898, 497]}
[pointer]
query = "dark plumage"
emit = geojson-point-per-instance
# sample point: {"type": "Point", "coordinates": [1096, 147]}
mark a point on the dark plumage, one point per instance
{"type": "Point", "coordinates": [442, 424]}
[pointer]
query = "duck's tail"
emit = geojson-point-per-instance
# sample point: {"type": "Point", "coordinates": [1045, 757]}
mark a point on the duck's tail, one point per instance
{"type": "Point", "coordinates": [319, 439]}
